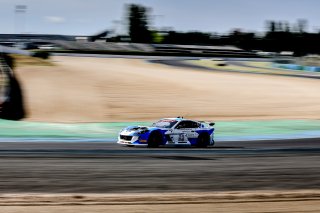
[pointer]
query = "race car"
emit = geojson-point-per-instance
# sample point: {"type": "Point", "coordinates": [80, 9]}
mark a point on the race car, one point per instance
{"type": "Point", "coordinates": [169, 131]}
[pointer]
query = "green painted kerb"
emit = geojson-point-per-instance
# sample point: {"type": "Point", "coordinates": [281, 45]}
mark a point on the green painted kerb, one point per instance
{"type": "Point", "coordinates": [38, 129]}
{"type": "Point", "coordinates": [225, 130]}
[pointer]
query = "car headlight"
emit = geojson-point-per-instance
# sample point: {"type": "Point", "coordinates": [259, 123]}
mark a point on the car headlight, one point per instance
{"type": "Point", "coordinates": [135, 138]}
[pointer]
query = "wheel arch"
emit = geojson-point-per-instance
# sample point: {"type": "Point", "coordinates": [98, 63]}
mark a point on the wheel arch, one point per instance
{"type": "Point", "coordinates": [206, 135]}
{"type": "Point", "coordinates": [157, 132]}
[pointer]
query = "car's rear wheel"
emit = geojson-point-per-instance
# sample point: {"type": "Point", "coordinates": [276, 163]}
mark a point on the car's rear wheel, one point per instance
{"type": "Point", "coordinates": [154, 140]}
{"type": "Point", "coordinates": [203, 141]}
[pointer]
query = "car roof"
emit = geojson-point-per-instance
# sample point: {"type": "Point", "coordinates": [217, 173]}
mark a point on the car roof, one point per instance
{"type": "Point", "coordinates": [177, 119]}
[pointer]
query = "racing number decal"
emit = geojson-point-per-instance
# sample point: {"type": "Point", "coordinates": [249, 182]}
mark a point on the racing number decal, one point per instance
{"type": "Point", "coordinates": [181, 137]}
{"type": "Point", "coordinates": [190, 133]}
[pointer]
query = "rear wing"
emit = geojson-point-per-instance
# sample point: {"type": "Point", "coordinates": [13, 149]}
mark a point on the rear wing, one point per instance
{"type": "Point", "coordinates": [207, 123]}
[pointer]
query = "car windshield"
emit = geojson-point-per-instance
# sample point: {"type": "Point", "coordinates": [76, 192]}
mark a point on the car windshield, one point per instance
{"type": "Point", "coordinates": [165, 123]}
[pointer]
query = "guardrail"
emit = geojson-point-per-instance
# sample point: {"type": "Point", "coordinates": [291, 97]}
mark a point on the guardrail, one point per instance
{"type": "Point", "coordinates": [296, 67]}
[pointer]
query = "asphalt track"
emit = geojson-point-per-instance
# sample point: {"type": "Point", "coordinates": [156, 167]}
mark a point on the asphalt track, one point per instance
{"type": "Point", "coordinates": [111, 168]}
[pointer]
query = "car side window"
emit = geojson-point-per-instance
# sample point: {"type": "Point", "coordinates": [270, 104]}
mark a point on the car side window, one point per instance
{"type": "Point", "coordinates": [181, 125]}
{"type": "Point", "coordinates": [187, 125]}
{"type": "Point", "coordinates": [192, 124]}
{"type": "Point", "coordinates": [195, 125]}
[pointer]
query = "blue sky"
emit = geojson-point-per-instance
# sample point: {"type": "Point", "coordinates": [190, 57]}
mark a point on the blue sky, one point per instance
{"type": "Point", "coordinates": [86, 17]}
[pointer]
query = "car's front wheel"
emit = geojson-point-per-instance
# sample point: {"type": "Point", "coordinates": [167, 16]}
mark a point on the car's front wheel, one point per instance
{"type": "Point", "coordinates": [154, 140]}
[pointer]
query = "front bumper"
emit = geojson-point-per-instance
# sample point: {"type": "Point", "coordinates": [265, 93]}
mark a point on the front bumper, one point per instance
{"type": "Point", "coordinates": [135, 141]}
{"type": "Point", "coordinates": [129, 143]}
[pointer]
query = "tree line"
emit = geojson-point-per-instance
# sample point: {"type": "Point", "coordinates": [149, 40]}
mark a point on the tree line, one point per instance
{"type": "Point", "coordinates": [279, 36]}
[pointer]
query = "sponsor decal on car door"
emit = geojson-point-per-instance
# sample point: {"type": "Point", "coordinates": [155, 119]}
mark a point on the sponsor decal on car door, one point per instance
{"type": "Point", "coordinates": [185, 131]}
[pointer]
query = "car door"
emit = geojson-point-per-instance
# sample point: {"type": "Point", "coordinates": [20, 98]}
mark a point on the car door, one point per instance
{"type": "Point", "coordinates": [185, 131]}
{"type": "Point", "coordinates": [190, 129]}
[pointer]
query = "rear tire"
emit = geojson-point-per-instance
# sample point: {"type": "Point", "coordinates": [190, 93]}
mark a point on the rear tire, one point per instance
{"type": "Point", "coordinates": [203, 141]}
{"type": "Point", "coordinates": [154, 140]}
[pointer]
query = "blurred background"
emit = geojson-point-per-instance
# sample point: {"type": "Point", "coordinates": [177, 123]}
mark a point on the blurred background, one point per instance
{"type": "Point", "coordinates": [288, 27]}
{"type": "Point", "coordinates": [114, 82]}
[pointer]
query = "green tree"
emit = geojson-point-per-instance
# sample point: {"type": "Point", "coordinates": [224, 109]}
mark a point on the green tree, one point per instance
{"type": "Point", "coordinates": [271, 26]}
{"type": "Point", "coordinates": [138, 24]}
{"type": "Point", "coordinates": [302, 25]}
{"type": "Point", "coordinates": [157, 37]}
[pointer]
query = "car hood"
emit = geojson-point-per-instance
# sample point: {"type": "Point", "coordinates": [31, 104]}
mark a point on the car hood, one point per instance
{"type": "Point", "coordinates": [132, 130]}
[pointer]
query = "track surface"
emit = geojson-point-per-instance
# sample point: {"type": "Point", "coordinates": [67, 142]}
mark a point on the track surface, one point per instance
{"type": "Point", "coordinates": [109, 168]}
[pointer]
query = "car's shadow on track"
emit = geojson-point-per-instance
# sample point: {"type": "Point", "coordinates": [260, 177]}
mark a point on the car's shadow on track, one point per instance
{"type": "Point", "coordinates": [187, 147]}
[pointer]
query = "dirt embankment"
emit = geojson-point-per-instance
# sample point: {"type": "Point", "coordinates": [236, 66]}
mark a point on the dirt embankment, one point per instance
{"type": "Point", "coordinates": [103, 90]}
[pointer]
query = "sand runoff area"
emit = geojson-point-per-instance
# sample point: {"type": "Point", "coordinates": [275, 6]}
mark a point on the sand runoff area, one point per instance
{"type": "Point", "coordinates": [83, 89]}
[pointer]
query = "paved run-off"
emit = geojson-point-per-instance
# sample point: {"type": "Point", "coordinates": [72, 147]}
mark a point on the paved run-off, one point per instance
{"type": "Point", "coordinates": [225, 130]}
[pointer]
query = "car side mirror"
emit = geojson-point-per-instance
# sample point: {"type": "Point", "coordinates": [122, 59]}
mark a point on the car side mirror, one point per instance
{"type": "Point", "coordinates": [212, 124]}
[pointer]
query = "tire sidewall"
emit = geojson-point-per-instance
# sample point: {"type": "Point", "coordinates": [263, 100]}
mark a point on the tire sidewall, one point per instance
{"type": "Point", "coordinates": [154, 140]}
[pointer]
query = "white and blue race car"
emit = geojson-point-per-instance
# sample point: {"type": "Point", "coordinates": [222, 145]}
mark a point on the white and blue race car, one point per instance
{"type": "Point", "coordinates": [169, 131]}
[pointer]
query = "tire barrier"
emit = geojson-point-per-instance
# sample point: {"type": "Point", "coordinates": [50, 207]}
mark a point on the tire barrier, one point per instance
{"type": "Point", "coordinates": [12, 104]}
{"type": "Point", "coordinates": [296, 67]}
{"type": "Point", "coordinates": [312, 69]}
